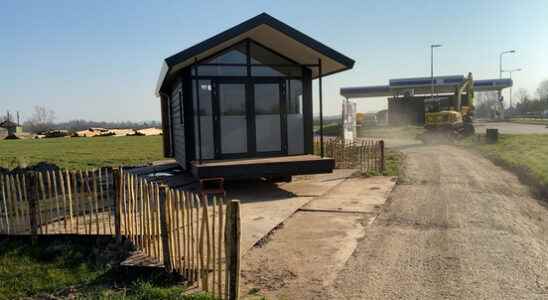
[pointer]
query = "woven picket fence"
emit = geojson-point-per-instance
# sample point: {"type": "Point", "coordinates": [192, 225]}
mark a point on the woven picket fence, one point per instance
{"type": "Point", "coordinates": [190, 233]}
{"type": "Point", "coordinates": [367, 155]}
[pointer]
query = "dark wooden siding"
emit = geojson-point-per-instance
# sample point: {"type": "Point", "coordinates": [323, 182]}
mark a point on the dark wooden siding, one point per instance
{"type": "Point", "coordinates": [166, 121]}
{"type": "Point", "coordinates": [307, 112]}
{"type": "Point", "coordinates": [189, 115]}
{"type": "Point", "coordinates": [177, 123]}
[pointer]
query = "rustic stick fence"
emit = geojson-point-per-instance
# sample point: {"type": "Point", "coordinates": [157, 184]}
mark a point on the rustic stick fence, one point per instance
{"type": "Point", "coordinates": [193, 234]}
{"type": "Point", "coordinates": [364, 154]}
{"type": "Point", "coordinates": [57, 202]}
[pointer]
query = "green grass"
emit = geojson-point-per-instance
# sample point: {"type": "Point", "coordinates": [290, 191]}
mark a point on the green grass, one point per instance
{"type": "Point", "coordinates": [392, 162]}
{"type": "Point", "coordinates": [525, 154]}
{"type": "Point", "coordinates": [27, 271]}
{"type": "Point", "coordinates": [530, 121]}
{"type": "Point", "coordinates": [329, 129]}
{"type": "Point", "coordinates": [51, 267]}
{"type": "Point", "coordinates": [81, 153]}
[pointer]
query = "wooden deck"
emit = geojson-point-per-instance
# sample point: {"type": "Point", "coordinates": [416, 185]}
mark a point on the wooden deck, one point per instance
{"type": "Point", "coordinates": [263, 167]}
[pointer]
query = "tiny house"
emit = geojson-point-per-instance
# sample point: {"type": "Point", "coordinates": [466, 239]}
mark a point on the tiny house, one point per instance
{"type": "Point", "coordinates": [239, 104]}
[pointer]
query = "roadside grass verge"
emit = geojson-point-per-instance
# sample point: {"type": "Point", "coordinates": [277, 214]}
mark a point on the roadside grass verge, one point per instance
{"type": "Point", "coordinates": [525, 155]}
{"type": "Point", "coordinates": [530, 121]}
{"type": "Point", "coordinates": [329, 129]}
{"type": "Point", "coordinates": [81, 153]}
{"type": "Point", "coordinates": [59, 268]}
{"type": "Point", "coordinates": [392, 162]}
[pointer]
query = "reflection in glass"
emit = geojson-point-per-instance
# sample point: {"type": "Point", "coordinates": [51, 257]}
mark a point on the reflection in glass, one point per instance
{"type": "Point", "coordinates": [206, 119]}
{"type": "Point", "coordinates": [261, 55]}
{"type": "Point", "coordinates": [295, 121]}
{"type": "Point", "coordinates": [236, 54]}
{"type": "Point", "coordinates": [233, 118]}
{"type": "Point", "coordinates": [277, 71]}
{"type": "Point", "coordinates": [267, 117]}
{"type": "Point", "coordinates": [205, 70]}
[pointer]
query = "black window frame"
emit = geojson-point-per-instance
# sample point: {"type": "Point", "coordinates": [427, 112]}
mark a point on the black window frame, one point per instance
{"type": "Point", "coordinates": [249, 80]}
{"type": "Point", "coordinates": [195, 73]}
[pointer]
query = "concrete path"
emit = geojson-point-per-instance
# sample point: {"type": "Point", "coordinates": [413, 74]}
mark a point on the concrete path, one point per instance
{"type": "Point", "coordinates": [300, 260]}
{"type": "Point", "coordinates": [265, 205]}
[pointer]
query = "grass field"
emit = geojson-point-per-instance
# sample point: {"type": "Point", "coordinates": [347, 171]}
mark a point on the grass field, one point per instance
{"type": "Point", "coordinates": [525, 154]}
{"type": "Point", "coordinates": [329, 129]}
{"type": "Point", "coordinates": [61, 269]}
{"type": "Point", "coordinates": [81, 153]}
{"type": "Point", "coordinates": [529, 121]}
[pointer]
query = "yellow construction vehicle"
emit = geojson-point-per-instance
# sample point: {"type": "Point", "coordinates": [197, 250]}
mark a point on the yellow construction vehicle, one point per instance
{"type": "Point", "coordinates": [450, 116]}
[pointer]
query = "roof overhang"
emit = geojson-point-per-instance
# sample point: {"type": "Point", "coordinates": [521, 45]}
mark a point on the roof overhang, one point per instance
{"type": "Point", "coordinates": [269, 32]}
{"type": "Point", "coordinates": [423, 86]}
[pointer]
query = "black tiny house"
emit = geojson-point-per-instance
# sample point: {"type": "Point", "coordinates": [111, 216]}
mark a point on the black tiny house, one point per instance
{"type": "Point", "coordinates": [239, 104]}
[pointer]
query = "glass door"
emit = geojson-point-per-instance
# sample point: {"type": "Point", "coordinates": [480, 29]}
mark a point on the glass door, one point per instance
{"type": "Point", "coordinates": [268, 117]}
{"type": "Point", "coordinates": [232, 120]}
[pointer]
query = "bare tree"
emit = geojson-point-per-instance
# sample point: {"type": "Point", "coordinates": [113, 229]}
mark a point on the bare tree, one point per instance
{"type": "Point", "coordinates": [542, 90]}
{"type": "Point", "coordinates": [486, 105]}
{"type": "Point", "coordinates": [41, 120]}
{"type": "Point", "coordinates": [522, 95]}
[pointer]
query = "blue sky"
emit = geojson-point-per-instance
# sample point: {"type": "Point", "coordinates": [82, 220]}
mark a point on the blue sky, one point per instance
{"type": "Point", "coordinates": [100, 59]}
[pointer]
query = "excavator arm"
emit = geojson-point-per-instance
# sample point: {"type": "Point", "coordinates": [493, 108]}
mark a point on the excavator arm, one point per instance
{"type": "Point", "coordinates": [468, 86]}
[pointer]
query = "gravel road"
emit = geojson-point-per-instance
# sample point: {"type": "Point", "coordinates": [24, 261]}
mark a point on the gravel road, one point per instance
{"type": "Point", "coordinates": [457, 227]}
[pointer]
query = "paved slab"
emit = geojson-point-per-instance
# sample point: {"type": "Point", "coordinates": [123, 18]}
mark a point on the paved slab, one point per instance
{"type": "Point", "coordinates": [302, 259]}
{"type": "Point", "coordinates": [355, 195]}
{"type": "Point", "coordinates": [259, 218]}
{"type": "Point", "coordinates": [265, 205]}
{"type": "Point", "coordinates": [317, 185]}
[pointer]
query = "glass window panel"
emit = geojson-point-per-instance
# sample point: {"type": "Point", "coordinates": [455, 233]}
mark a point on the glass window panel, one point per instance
{"type": "Point", "coordinates": [204, 70]}
{"type": "Point", "coordinates": [236, 54]}
{"type": "Point", "coordinates": [295, 120]}
{"type": "Point", "coordinates": [261, 55]}
{"type": "Point", "coordinates": [206, 119]}
{"type": "Point", "coordinates": [232, 106]}
{"type": "Point", "coordinates": [267, 117]}
{"type": "Point", "coordinates": [280, 71]}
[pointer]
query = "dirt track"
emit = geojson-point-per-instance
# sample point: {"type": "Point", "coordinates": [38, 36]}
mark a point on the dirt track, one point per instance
{"type": "Point", "coordinates": [456, 227]}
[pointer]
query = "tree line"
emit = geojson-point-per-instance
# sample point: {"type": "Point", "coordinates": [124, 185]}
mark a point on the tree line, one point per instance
{"type": "Point", "coordinates": [43, 119]}
{"type": "Point", "coordinates": [523, 103]}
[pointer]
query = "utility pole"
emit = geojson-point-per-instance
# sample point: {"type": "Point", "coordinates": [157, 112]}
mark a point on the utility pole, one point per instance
{"type": "Point", "coordinates": [432, 69]}
{"type": "Point", "coordinates": [500, 76]}
{"type": "Point", "coordinates": [510, 73]}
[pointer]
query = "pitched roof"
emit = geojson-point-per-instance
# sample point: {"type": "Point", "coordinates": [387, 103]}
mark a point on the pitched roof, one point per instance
{"type": "Point", "coordinates": [270, 32]}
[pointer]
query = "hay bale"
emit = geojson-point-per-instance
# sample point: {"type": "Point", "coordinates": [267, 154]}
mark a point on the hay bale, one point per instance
{"type": "Point", "coordinates": [149, 131]}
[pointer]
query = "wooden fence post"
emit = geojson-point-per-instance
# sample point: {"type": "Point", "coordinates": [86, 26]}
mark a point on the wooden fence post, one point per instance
{"type": "Point", "coordinates": [164, 229]}
{"type": "Point", "coordinates": [232, 239]}
{"type": "Point", "coordinates": [32, 192]}
{"type": "Point", "coordinates": [381, 144]}
{"type": "Point", "coordinates": [117, 187]}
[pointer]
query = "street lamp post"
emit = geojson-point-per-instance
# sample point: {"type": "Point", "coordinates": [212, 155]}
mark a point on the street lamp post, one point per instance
{"type": "Point", "coordinates": [432, 69]}
{"type": "Point", "coordinates": [500, 60]}
{"type": "Point", "coordinates": [500, 76]}
{"type": "Point", "coordinates": [510, 75]}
